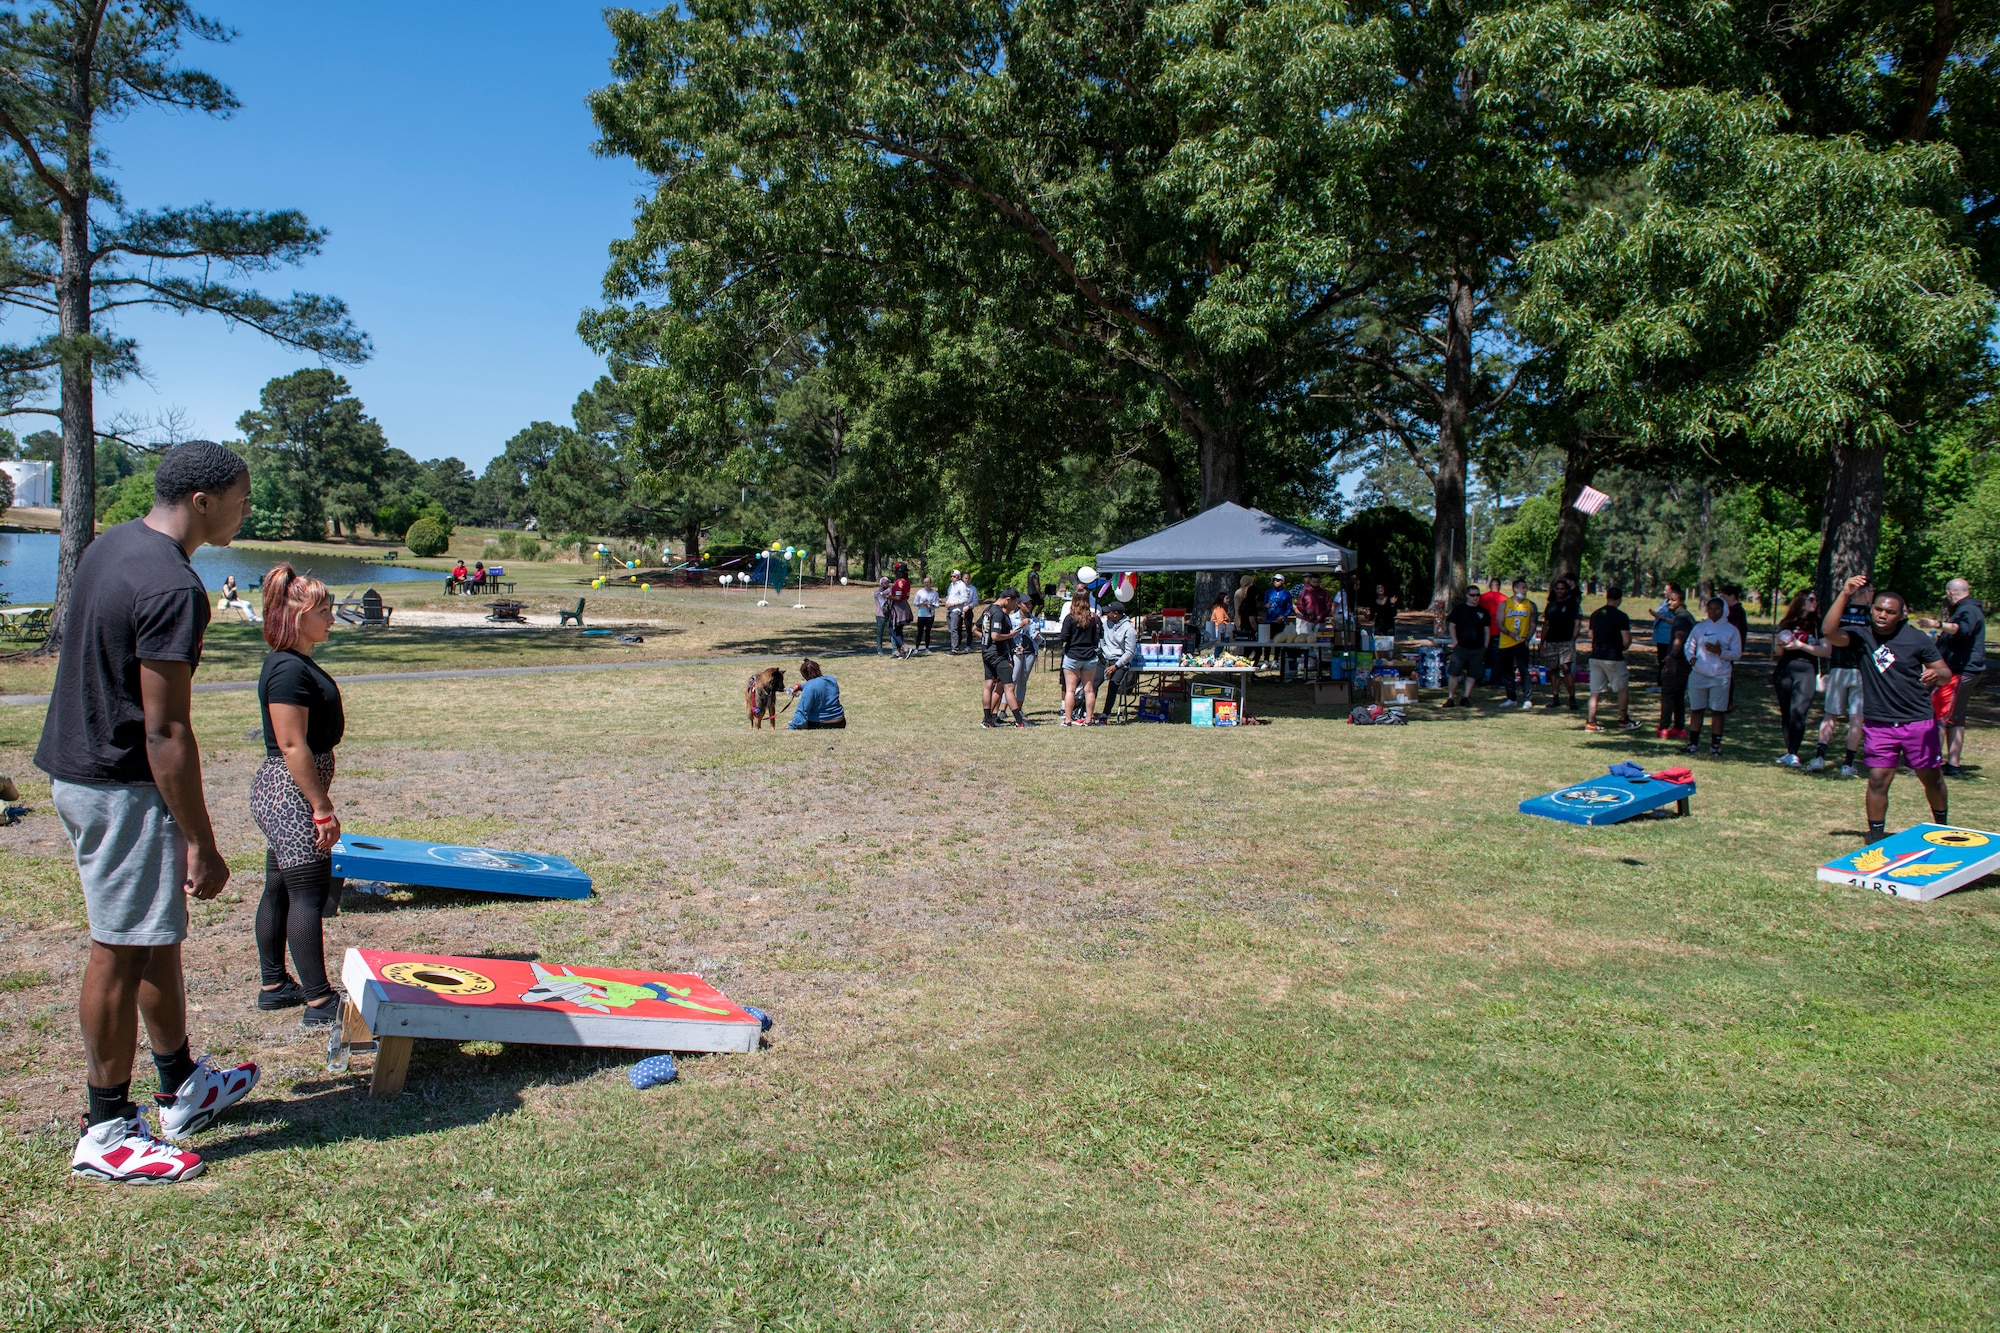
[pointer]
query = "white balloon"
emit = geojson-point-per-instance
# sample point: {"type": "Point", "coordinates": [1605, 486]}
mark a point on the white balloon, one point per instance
{"type": "Point", "coordinates": [1086, 575]}
{"type": "Point", "coordinates": [843, 580]}
{"type": "Point", "coordinates": [1121, 593]}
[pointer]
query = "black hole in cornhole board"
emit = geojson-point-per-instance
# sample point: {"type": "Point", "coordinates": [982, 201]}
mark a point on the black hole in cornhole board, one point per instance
{"type": "Point", "coordinates": [437, 979]}
{"type": "Point", "coordinates": [369, 846]}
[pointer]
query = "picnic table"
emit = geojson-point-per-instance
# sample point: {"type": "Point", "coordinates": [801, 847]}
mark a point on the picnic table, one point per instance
{"type": "Point", "coordinates": [24, 622]}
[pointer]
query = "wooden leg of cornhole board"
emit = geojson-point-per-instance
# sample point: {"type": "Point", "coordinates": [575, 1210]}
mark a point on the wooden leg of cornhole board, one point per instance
{"type": "Point", "coordinates": [353, 1028]}
{"type": "Point", "coordinates": [1682, 807]}
{"type": "Point", "coordinates": [392, 1066]}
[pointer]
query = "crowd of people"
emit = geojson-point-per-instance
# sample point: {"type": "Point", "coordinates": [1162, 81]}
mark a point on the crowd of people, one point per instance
{"type": "Point", "coordinates": [126, 782]}
{"type": "Point", "coordinates": [1836, 656]}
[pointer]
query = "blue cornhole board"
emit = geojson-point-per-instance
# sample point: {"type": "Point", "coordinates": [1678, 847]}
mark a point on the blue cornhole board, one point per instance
{"type": "Point", "coordinates": [1608, 800]}
{"type": "Point", "coordinates": [443, 866]}
{"type": "Point", "coordinates": [1920, 863]}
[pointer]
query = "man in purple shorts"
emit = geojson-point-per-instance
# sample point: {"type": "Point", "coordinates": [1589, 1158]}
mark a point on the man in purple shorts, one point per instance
{"type": "Point", "coordinates": [1900, 666]}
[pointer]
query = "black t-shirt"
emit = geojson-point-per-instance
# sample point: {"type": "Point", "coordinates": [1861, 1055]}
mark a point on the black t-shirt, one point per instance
{"type": "Point", "coordinates": [1608, 627]}
{"type": "Point", "coordinates": [1385, 617]}
{"type": "Point", "coordinates": [1559, 619]}
{"type": "Point", "coordinates": [135, 598]}
{"type": "Point", "coordinates": [1471, 623]}
{"type": "Point", "coordinates": [1892, 689]}
{"type": "Point", "coordinates": [995, 620]}
{"type": "Point", "coordinates": [293, 678]}
{"type": "Point", "coordinates": [1849, 658]}
{"type": "Point", "coordinates": [1965, 651]}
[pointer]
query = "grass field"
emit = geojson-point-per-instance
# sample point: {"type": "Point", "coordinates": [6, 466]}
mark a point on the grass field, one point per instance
{"type": "Point", "coordinates": [1296, 1026]}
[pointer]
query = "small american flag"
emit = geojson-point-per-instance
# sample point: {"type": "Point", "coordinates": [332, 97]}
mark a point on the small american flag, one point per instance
{"type": "Point", "coordinates": [1592, 500]}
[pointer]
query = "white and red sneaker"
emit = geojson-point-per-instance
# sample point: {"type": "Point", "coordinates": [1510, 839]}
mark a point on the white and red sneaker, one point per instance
{"type": "Point", "coordinates": [208, 1092]}
{"type": "Point", "coordinates": [126, 1153]}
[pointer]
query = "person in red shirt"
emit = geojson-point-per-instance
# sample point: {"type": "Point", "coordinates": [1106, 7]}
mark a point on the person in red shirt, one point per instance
{"type": "Point", "coordinates": [1492, 600]}
{"type": "Point", "coordinates": [900, 613]}
{"type": "Point", "coordinates": [1313, 604]}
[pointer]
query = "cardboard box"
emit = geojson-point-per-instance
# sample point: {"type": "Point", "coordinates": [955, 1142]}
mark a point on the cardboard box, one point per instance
{"type": "Point", "coordinates": [1396, 691]}
{"type": "Point", "coordinates": [1333, 694]}
{"type": "Point", "coordinates": [1201, 712]}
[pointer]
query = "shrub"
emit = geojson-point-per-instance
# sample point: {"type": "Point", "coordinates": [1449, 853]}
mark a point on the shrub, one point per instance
{"type": "Point", "coordinates": [529, 549]}
{"type": "Point", "coordinates": [133, 499]}
{"type": "Point", "coordinates": [426, 537]}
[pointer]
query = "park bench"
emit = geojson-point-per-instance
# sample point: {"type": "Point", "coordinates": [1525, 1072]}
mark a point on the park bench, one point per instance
{"type": "Point", "coordinates": [373, 612]}
{"type": "Point", "coordinates": [568, 616]}
{"type": "Point", "coordinates": [505, 609]}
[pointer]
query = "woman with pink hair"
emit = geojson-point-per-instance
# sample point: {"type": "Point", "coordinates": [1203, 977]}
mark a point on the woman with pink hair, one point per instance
{"type": "Point", "coordinates": [291, 795]}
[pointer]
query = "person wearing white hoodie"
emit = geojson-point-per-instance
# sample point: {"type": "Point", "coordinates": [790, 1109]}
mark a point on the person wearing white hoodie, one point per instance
{"type": "Point", "coordinates": [1712, 646]}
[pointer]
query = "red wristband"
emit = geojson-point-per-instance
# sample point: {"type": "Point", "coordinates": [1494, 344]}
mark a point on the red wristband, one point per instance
{"type": "Point", "coordinates": [328, 820]}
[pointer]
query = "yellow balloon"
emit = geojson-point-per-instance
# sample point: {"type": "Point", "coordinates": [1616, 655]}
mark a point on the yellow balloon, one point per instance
{"type": "Point", "coordinates": [645, 587]}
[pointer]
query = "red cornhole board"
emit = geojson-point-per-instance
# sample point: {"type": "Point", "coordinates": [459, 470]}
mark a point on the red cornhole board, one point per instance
{"type": "Point", "coordinates": [396, 997]}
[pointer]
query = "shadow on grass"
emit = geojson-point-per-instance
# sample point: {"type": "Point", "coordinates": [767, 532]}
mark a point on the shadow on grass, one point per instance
{"type": "Point", "coordinates": [449, 1087]}
{"type": "Point", "coordinates": [423, 897]}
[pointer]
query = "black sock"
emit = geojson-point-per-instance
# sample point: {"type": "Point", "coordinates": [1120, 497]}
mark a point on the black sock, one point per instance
{"type": "Point", "coordinates": [1941, 814]}
{"type": "Point", "coordinates": [1018, 717]}
{"type": "Point", "coordinates": [175, 1067]}
{"type": "Point", "coordinates": [1819, 751]}
{"type": "Point", "coordinates": [1849, 761]}
{"type": "Point", "coordinates": [112, 1103]}
{"type": "Point", "coordinates": [1877, 830]}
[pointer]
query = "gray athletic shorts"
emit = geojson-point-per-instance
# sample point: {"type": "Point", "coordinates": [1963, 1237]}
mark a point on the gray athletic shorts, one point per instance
{"type": "Point", "coordinates": [131, 857]}
{"type": "Point", "coordinates": [1609, 677]}
{"type": "Point", "coordinates": [1707, 693]}
{"type": "Point", "coordinates": [1843, 692]}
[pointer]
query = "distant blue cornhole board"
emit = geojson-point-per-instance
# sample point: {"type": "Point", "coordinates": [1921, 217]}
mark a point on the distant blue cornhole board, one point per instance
{"type": "Point", "coordinates": [1608, 800]}
{"type": "Point", "coordinates": [1920, 863]}
{"type": "Point", "coordinates": [443, 866]}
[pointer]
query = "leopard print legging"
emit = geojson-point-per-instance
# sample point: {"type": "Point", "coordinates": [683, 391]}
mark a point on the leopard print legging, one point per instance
{"type": "Point", "coordinates": [281, 811]}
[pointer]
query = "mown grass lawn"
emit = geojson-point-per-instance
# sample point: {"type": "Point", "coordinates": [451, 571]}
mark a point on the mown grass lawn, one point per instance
{"type": "Point", "coordinates": [1297, 1026]}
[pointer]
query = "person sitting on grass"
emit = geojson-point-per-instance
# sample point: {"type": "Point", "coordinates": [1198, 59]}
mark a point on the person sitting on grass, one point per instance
{"type": "Point", "coordinates": [818, 707]}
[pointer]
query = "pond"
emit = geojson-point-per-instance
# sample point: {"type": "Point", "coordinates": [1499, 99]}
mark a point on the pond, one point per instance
{"type": "Point", "coordinates": [28, 574]}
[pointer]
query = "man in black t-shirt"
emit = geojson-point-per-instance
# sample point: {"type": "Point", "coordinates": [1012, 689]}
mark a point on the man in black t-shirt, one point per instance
{"type": "Point", "coordinates": [125, 777]}
{"type": "Point", "coordinates": [1900, 666]}
{"type": "Point", "coordinates": [1610, 673]}
{"type": "Point", "coordinates": [1469, 625]}
{"type": "Point", "coordinates": [1559, 619]}
{"type": "Point", "coordinates": [1961, 637]}
{"type": "Point", "coordinates": [996, 638]}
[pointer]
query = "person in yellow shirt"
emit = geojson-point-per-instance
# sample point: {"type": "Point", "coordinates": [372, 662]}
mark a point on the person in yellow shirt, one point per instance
{"type": "Point", "coordinates": [1517, 631]}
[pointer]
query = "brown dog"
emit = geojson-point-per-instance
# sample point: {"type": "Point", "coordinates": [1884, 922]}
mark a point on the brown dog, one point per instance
{"type": "Point", "coordinates": [760, 696]}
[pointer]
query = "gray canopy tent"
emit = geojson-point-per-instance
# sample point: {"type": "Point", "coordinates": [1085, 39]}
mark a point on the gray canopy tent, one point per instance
{"type": "Point", "coordinates": [1227, 537]}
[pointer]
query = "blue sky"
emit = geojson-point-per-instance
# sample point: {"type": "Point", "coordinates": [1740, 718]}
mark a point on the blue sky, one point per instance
{"type": "Point", "coordinates": [447, 148]}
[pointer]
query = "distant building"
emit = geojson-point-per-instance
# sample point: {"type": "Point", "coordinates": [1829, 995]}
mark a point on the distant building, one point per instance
{"type": "Point", "coordinates": [34, 480]}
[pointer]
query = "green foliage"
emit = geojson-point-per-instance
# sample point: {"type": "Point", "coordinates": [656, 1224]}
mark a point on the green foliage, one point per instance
{"type": "Point", "coordinates": [330, 457]}
{"type": "Point", "coordinates": [132, 499]}
{"type": "Point", "coordinates": [1394, 549]}
{"type": "Point", "coordinates": [6, 492]}
{"type": "Point", "coordinates": [1968, 541]}
{"type": "Point", "coordinates": [1519, 548]}
{"type": "Point", "coordinates": [426, 537]}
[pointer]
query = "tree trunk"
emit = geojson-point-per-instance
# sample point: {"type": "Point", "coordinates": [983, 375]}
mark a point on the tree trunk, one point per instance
{"type": "Point", "coordinates": [691, 540]}
{"type": "Point", "coordinates": [79, 419]}
{"type": "Point", "coordinates": [1852, 522]}
{"type": "Point", "coordinates": [1448, 555]}
{"type": "Point", "coordinates": [1220, 450]}
{"type": "Point", "coordinates": [1572, 524]}
{"type": "Point", "coordinates": [1159, 455]}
